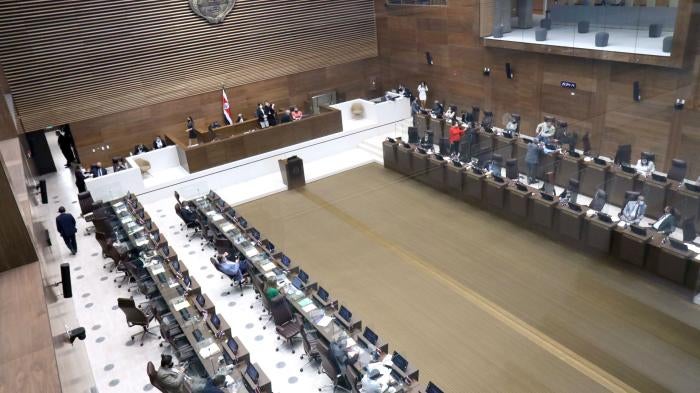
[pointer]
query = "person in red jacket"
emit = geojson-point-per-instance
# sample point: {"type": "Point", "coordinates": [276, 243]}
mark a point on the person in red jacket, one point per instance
{"type": "Point", "coordinates": [455, 135]}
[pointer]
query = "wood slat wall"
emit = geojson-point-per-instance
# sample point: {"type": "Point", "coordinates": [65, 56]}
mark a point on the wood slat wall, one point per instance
{"type": "Point", "coordinates": [74, 60]}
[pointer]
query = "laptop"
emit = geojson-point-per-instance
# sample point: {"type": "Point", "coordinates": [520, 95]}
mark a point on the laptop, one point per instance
{"type": "Point", "coordinates": [399, 361]}
{"type": "Point", "coordinates": [322, 294]}
{"type": "Point", "coordinates": [599, 161]}
{"type": "Point", "coordinates": [345, 313]}
{"type": "Point", "coordinates": [628, 169]}
{"type": "Point", "coordinates": [677, 244]}
{"type": "Point", "coordinates": [370, 336]}
{"type": "Point", "coordinates": [252, 373]}
{"type": "Point", "coordinates": [574, 206]}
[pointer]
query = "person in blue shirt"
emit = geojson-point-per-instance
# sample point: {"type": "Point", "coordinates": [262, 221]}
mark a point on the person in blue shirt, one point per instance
{"type": "Point", "coordinates": [231, 268]}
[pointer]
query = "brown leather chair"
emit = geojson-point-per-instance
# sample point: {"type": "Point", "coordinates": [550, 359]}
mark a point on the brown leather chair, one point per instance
{"type": "Point", "coordinates": [137, 317]}
{"type": "Point", "coordinates": [287, 324]}
{"type": "Point", "coordinates": [678, 170]}
{"type": "Point", "coordinates": [330, 369]}
{"type": "Point", "coordinates": [310, 349]}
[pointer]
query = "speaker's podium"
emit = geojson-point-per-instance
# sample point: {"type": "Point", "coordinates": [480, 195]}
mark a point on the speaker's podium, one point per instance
{"type": "Point", "coordinates": [292, 169]}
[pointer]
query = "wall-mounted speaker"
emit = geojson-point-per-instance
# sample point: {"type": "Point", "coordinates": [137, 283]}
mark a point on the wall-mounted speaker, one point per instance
{"type": "Point", "coordinates": [429, 58]}
{"type": "Point", "coordinates": [44, 192]}
{"type": "Point", "coordinates": [65, 281]}
{"type": "Point", "coordinates": [636, 93]}
{"type": "Point", "coordinates": [509, 71]}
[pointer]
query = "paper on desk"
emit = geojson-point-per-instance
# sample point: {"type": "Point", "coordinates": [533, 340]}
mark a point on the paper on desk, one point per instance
{"type": "Point", "coordinates": [309, 307]}
{"type": "Point", "coordinates": [180, 305]}
{"type": "Point", "coordinates": [268, 266]}
{"type": "Point", "coordinates": [304, 302]}
{"type": "Point", "coordinates": [211, 213]}
{"type": "Point", "coordinates": [158, 270]}
{"type": "Point", "coordinates": [323, 322]}
{"type": "Point", "coordinates": [227, 227]}
{"type": "Point", "coordinates": [251, 252]}
{"type": "Point", "coordinates": [621, 224]}
{"type": "Point", "coordinates": [209, 350]}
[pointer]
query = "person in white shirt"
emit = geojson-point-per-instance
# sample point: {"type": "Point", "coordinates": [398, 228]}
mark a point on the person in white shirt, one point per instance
{"type": "Point", "coordinates": [371, 384]}
{"type": "Point", "coordinates": [633, 212]}
{"type": "Point", "coordinates": [666, 224]}
{"type": "Point", "coordinates": [449, 114]}
{"type": "Point", "coordinates": [545, 130]}
{"type": "Point", "coordinates": [645, 166]}
{"type": "Point", "coordinates": [512, 126]}
{"type": "Point", "coordinates": [422, 93]}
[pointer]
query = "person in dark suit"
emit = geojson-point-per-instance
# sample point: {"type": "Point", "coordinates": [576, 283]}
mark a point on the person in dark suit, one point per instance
{"type": "Point", "coordinates": [65, 224]}
{"type": "Point", "coordinates": [666, 224]}
{"type": "Point", "coordinates": [272, 114]}
{"type": "Point", "coordinates": [158, 143]}
{"type": "Point", "coordinates": [240, 118]}
{"type": "Point", "coordinates": [532, 159]}
{"type": "Point", "coordinates": [191, 132]}
{"type": "Point", "coordinates": [261, 113]}
{"type": "Point", "coordinates": [172, 378]}
{"type": "Point", "coordinates": [80, 180]}
{"type": "Point", "coordinates": [97, 170]}
{"type": "Point", "coordinates": [140, 148]}
{"type": "Point", "coordinates": [438, 109]}
{"type": "Point", "coordinates": [286, 116]}
{"type": "Point", "coordinates": [66, 149]}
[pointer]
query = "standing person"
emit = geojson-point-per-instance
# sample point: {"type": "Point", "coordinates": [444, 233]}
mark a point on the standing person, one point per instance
{"type": "Point", "coordinates": [455, 136]}
{"type": "Point", "coordinates": [240, 118]}
{"type": "Point", "coordinates": [261, 113]}
{"type": "Point", "coordinates": [532, 159]}
{"type": "Point", "coordinates": [191, 133]}
{"type": "Point", "coordinates": [422, 93]}
{"type": "Point", "coordinates": [80, 180]}
{"type": "Point", "coordinates": [65, 224]}
{"type": "Point", "coordinates": [545, 130]}
{"type": "Point", "coordinates": [66, 149]}
{"type": "Point", "coordinates": [272, 114]}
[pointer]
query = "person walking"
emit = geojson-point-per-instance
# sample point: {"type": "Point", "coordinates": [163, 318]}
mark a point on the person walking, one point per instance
{"type": "Point", "coordinates": [65, 224]}
{"type": "Point", "coordinates": [66, 149]}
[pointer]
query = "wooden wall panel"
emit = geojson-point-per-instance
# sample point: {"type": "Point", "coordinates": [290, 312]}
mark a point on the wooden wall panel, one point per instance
{"type": "Point", "coordinates": [71, 61]}
{"type": "Point", "coordinates": [602, 104]}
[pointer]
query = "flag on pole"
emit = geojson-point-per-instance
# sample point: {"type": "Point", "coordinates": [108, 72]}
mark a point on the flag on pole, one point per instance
{"type": "Point", "coordinates": [227, 109]}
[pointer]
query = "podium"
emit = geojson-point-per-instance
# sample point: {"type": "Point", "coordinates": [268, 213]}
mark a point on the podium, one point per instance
{"type": "Point", "coordinates": [403, 159]}
{"type": "Point", "coordinates": [621, 182]}
{"type": "Point", "coordinates": [518, 201]}
{"type": "Point", "coordinates": [569, 168]}
{"type": "Point", "coordinates": [472, 186]}
{"type": "Point", "coordinates": [495, 192]}
{"type": "Point", "coordinates": [454, 178]}
{"type": "Point", "coordinates": [593, 177]}
{"type": "Point", "coordinates": [292, 169]}
{"type": "Point", "coordinates": [389, 153]}
{"type": "Point", "coordinates": [655, 194]}
{"type": "Point", "coordinates": [542, 211]}
{"type": "Point", "coordinates": [599, 234]}
{"type": "Point", "coordinates": [437, 173]}
{"type": "Point", "coordinates": [570, 222]}
{"type": "Point", "coordinates": [685, 201]}
{"type": "Point", "coordinates": [633, 247]}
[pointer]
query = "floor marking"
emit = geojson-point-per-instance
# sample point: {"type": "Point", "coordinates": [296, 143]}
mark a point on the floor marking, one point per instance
{"type": "Point", "coordinates": [607, 380]}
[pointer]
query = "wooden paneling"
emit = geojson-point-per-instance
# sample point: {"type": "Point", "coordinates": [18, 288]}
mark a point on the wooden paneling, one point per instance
{"type": "Point", "coordinates": [16, 247]}
{"type": "Point", "coordinates": [121, 131]}
{"type": "Point", "coordinates": [7, 124]}
{"type": "Point", "coordinates": [71, 61]}
{"type": "Point", "coordinates": [602, 104]}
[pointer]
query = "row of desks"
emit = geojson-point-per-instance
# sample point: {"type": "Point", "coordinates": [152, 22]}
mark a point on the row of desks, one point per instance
{"type": "Point", "coordinates": [526, 204]}
{"type": "Point", "coordinates": [592, 176]}
{"type": "Point", "coordinates": [206, 331]}
{"type": "Point", "coordinates": [303, 294]}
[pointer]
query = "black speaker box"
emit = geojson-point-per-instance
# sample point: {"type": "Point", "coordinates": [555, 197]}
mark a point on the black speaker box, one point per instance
{"type": "Point", "coordinates": [429, 58]}
{"type": "Point", "coordinates": [509, 71]}
{"type": "Point", "coordinates": [65, 281]}
{"type": "Point", "coordinates": [636, 93]}
{"type": "Point", "coordinates": [292, 172]}
{"type": "Point", "coordinates": [44, 192]}
{"type": "Point", "coordinates": [412, 135]}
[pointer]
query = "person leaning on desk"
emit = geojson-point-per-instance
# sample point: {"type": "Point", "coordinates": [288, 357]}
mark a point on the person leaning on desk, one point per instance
{"type": "Point", "coordinates": [666, 224]}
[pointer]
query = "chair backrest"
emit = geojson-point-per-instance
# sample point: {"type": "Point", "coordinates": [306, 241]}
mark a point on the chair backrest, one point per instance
{"type": "Point", "coordinates": [678, 170]}
{"type": "Point", "coordinates": [177, 196]}
{"type": "Point", "coordinates": [352, 376]}
{"type": "Point", "coordinates": [586, 140]}
{"type": "Point", "coordinates": [512, 168]}
{"type": "Point", "coordinates": [153, 377]}
{"type": "Point", "coordinates": [623, 154]}
{"type": "Point", "coordinates": [87, 204]}
{"type": "Point", "coordinates": [599, 200]}
{"type": "Point", "coordinates": [134, 316]}
{"type": "Point", "coordinates": [309, 349]}
{"type": "Point", "coordinates": [280, 310]}
{"type": "Point", "coordinates": [631, 196]}
{"type": "Point", "coordinates": [573, 185]}
{"type": "Point", "coordinates": [328, 366]}
{"type": "Point", "coordinates": [223, 243]}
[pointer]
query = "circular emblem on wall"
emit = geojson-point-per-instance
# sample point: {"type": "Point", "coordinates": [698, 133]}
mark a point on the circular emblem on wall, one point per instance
{"type": "Point", "coordinates": [214, 11]}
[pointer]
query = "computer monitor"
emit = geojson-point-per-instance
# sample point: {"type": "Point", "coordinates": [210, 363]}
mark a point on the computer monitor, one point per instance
{"type": "Point", "coordinates": [252, 373]}
{"type": "Point", "coordinates": [477, 170]}
{"type": "Point", "coordinates": [215, 321]}
{"type": "Point", "coordinates": [421, 150]}
{"type": "Point", "coordinates": [156, 237]}
{"type": "Point", "coordinates": [227, 358]}
{"type": "Point", "coordinates": [345, 313]}
{"type": "Point", "coordinates": [456, 163]}
{"type": "Point", "coordinates": [399, 361]}
{"type": "Point", "coordinates": [547, 197]}
{"type": "Point", "coordinates": [637, 230]}
{"type": "Point", "coordinates": [187, 280]}
{"type": "Point", "coordinates": [599, 161]}
{"type": "Point", "coordinates": [201, 300]}
{"type": "Point", "coordinates": [520, 186]}
{"type": "Point", "coordinates": [255, 233]}
{"type": "Point", "coordinates": [142, 214]}
{"type": "Point", "coordinates": [574, 206]}
{"type": "Point", "coordinates": [391, 140]}
{"type": "Point", "coordinates": [285, 260]}
{"type": "Point", "coordinates": [322, 294]}
{"type": "Point", "coordinates": [211, 194]}
{"type": "Point", "coordinates": [243, 222]}
{"type": "Point", "coordinates": [230, 211]}
{"type": "Point", "coordinates": [149, 225]}
{"type": "Point", "coordinates": [574, 153]}
{"type": "Point", "coordinates": [628, 169]}
{"type": "Point", "coordinates": [439, 157]}
{"type": "Point", "coordinates": [232, 345]}
{"type": "Point", "coordinates": [508, 135]}
{"type": "Point", "coordinates": [406, 145]}
{"type": "Point", "coordinates": [692, 187]}
{"type": "Point", "coordinates": [270, 246]}
{"type": "Point", "coordinates": [176, 266]}
{"type": "Point", "coordinates": [431, 388]}
{"type": "Point", "coordinates": [370, 336]}
{"type": "Point", "coordinates": [658, 177]}
{"type": "Point", "coordinates": [604, 217]}
{"type": "Point", "coordinates": [298, 284]}
{"type": "Point", "coordinates": [303, 276]}
{"type": "Point", "coordinates": [677, 244]}
{"type": "Point", "coordinates": [550, 146]}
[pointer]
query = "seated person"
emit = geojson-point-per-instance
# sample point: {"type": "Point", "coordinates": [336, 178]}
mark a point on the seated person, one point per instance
{"type": "Point", "coordinates": [172, 378]}
{"type": "Point", "coordinates": [231, 268]}
{"type": "Point", "coordinates": [371, 384]}
{"type": "Point", "coordinates": [140, 148]}
{"type": "Point", "coordinates": [297, 114]}
{"type": "Point", "coordinates": [97, 170]}
{"type": "Point", "coordinates": [158, 143]}
{"type": "Point", "coordinates": [633, 212]}
{"type": "Point", "coordinates": [287, 116]}
{"type": "Point", "coordinates": [438, 110]}
{"type": "Point", "coordinates": [645, 167]}
{"type": "Point", "coordinates": [666, 224]}
{"type": "Point", "coordinates": [240, 118]}
{"type": "Point", "coordinates": [119, 165]}
{"type": "Point", "coordinates": [545, 130]}
{"type": "Point", "coordinates": [271, 290]}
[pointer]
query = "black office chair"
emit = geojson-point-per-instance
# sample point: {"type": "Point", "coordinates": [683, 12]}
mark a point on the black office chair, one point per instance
{"type": "Point", "coordinates": [87, 208]}
{"type": "Point", "coordinates": [630, 196]}
{"type": "Point", "coordinates": [688, 226]}
{"type": "Point", "coordinates": [137, 317]}
{"type": "Point", "coordinates": [586, 141]}
{"type": "Point", "coordinates": [678, 170]}
{"type": "Point", "coordinates": [353, 378]}
{"type": "Point", "coordinates": [287, 324]}
{"type": "Point", "coordinates": [310, 349]}
{"type": "Point", "coordinates": [188, 223]}
{"type": "Point", "coordinates": [215, 263]}
{"type": "Point", "coordinates": [573, 190]}
{"type": "Point", "coordinates": [599, 200]}
{"type": "Point", "coordinates": [623, 154]}
{"type": "Point", "coordinates": [177, 197]}
{"type": "Point", "coordinates": [512, 169]}
{"type": "Point", "coordinates": [173, 335]}
{"type": "Point", "coordinates": [153, 377]}
{"type": "Point", "coordinates": [412, 135]}
{"type": "Point", "coordinates": [548, 184]}
{"type": "Point", "coordinates": [330, 368]}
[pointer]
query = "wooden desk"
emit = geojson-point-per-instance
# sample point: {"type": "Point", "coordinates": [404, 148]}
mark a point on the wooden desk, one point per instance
{"type": "Point", "coordinates": [621, 182]}
{"type": "Point", "coordinates": [593, 177]}
{"type": "Point", "coordinates": [655, 194]}
{"type": "Point", "coordinates": [437, 127]}
{"type": "Point", "coordinates": [568, 168]}
{"type": "Point", "coordinates": [389, 153]}
{"type": "Point", "coordinates": [403, 159]}
{"type": "Point", "coordinates": [570, 222]}
{"type": "Point", "coordinates": [542, 211]}
{"type": "Point", "coordinates": [599, 234]}
{"type": "Point", "coordinates": [454, 179]}
{"type": "Point", "coordinates": [503, 146]}
{"type": "Point", "coordinates": [518, 201]}
{"type": "Point", "coordinates": [673, 264]}
{"type": "Point", "coordinates": [495, 192]}
{"type": "Point", "coordinates": [472, 186]}
{"type": "Point", "coordinates": [422, 124]}
{"type": "Point", "coordinates": [420, 165]}
{"type": "Point", "coordinates": [633, 248]}
{"type": "Point", "coordinates": [685, 201]}
{"type": "Point", "coordinates": [246, 139]}
{"type": "Point", "coordinates": [263, 386]}
{"type": "Point", "coordinates": [437, 173]}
